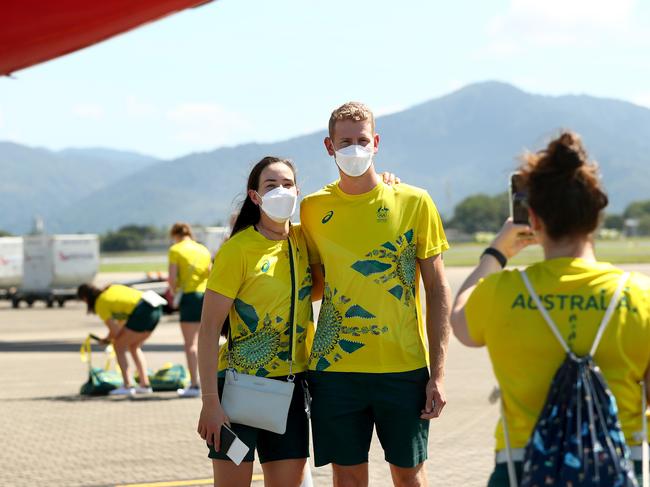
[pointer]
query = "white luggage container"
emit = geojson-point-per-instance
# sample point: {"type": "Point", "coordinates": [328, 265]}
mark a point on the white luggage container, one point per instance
{"type": "Point", "coordinates": [11, 262]}
{"type": "Point", "coordinates": [54, 265]}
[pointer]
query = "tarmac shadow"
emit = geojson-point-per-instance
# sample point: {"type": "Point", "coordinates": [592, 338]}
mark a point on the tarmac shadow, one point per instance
{"type": "Point", "coordinates": [61, 346]}
{"type": "Point", "coordinates": [155, 397]}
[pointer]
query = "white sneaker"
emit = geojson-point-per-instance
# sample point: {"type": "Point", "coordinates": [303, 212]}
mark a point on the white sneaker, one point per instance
{"type": "Point", "coordinates": [141, 390]}
{"type": "Point", "coordinates": [121, 391]}
{"type": "Point", "coordinates": [192, 391]}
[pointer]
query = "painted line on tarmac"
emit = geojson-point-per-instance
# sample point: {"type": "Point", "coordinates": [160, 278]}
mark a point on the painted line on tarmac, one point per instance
{"type": "Point", "coordinates": [182, 483]}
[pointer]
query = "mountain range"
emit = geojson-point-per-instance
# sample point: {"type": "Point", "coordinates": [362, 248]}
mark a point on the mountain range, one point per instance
{"type": "Point", "coordinates": [463, 143]}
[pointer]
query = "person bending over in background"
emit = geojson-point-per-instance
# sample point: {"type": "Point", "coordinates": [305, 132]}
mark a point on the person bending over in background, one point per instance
{"type": "Point", "coordinates": [130, 321]}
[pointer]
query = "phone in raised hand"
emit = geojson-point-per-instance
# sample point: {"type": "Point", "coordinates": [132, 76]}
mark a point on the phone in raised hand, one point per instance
{"type": "Point", "coordinates": [518, 200]}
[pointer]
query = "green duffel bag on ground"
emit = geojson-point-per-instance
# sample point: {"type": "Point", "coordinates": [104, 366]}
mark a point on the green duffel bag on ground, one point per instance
{"type": "Point", "coordinates": [169, 377]}
{"type": "Point", "coordinates": [100, 380]}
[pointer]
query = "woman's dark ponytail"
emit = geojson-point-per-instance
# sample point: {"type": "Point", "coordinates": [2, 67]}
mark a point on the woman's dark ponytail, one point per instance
{"type": "Point", "coordinates": [248, 215]}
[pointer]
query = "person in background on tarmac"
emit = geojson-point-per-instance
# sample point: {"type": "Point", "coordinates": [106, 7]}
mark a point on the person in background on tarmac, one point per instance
{"type": "Point", "coordinates": [493, 308]}
{"type": "Point", "coordinates": [189, 267]}
{"type": "Point", "coordinates": [130, 321]}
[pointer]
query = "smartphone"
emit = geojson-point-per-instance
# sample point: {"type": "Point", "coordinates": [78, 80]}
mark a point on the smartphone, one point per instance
{"type": "Point", "coordinates": [518, 200]}
{"type": "Point", "coordinates": [232, 446]}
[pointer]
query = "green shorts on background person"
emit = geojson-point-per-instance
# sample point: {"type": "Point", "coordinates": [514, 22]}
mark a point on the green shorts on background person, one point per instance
{"type": "Point", "coordinates": [190, 307]}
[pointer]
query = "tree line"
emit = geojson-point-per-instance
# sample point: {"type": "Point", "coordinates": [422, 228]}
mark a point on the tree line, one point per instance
{"type": "Point", "coordinates": [485, 213]}
{"type": "Point", "coordinates": [476, 213]}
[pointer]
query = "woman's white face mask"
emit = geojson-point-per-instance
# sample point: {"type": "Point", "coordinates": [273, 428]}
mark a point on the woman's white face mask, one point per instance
{"type": "Point", "coordinates": [354, 160]}
{"type": "Point", "coordinates": [279, 204]}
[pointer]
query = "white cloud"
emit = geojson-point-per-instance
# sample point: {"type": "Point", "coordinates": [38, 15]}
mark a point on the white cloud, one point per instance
{"type": "Point", "coordinates": [206, 124]}
{"type": "Point", "coordinates": [91, 111]}
{"type": "Point", "coordinates": [388, 109]}
{"type": "Point", "coordinates": [552, 23]}
{"type": "Point", "coordinates": [642, 99]}
{"type": "Point", "coordinates": [137, 108]}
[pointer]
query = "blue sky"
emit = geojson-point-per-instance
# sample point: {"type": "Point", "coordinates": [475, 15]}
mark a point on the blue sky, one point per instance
{"type": "Point", "coordinates": [237, 71]}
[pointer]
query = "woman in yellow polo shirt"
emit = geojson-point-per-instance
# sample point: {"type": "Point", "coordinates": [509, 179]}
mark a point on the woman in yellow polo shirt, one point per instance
{"type": "Point", "coordinates": [251, 283]}
{"type": "Point", "coordinates": [494, 309]}
{"type": "Point", "coordinates": [189, 266]}
{"type": "Point", "coordinates": [130, 321]}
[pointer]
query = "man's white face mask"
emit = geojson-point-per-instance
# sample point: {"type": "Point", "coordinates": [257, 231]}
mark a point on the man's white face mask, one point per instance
{"type": "Point", "coordinates": [354, 160]}
{"type": "Point", "coordinates": [279, 204]}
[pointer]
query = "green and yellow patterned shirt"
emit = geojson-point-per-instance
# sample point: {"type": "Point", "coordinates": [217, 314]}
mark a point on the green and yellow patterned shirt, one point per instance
{"type": "Point", "coordinates": [370, 319]}
{"type": "Point", "coordinates": [254, 271]}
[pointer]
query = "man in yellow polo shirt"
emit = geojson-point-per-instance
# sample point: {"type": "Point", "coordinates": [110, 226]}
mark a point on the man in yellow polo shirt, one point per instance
{"type": "Point", "coordinates": [369, 244]}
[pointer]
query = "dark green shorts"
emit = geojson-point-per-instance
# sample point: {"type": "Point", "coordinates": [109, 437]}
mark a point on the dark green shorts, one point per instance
{"type": "Point", "coordinates": [190, 307]}
{"type": "Point", "coordinates": [144, 317]}
{"type": "Point", "coordinates": [499, 477]}
{"type": "Point", "coordinates": [293, 444]}
{"type": "Point", "coordinates": [347, 405]}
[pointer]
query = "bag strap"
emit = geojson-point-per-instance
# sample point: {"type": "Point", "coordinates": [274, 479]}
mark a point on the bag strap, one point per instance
{"type": "Point", "coordinates": [645, 455]}
{"type": "Point", "coordinates": [292, 312]}
{"type": "Point", "coordinates": [603, 324]}
{"type": "Point", "coordinates": [610, 311]}
{"type": "Point", "coordinates": [85, 352]}
{"type": "Point", "coordinates": [512, 473]}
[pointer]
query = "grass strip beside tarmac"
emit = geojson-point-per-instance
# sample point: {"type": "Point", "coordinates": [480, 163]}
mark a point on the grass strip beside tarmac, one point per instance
{"type": "Point", "coordinates": [630, 251]}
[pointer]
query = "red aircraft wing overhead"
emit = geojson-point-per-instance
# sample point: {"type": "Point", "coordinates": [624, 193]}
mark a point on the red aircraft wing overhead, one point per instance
{"type": "Point", "coordinates": [34, 31]}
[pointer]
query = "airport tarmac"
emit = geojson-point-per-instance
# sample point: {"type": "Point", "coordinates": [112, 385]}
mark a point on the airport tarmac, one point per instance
{"type": "Point", "coordinates": [52, 436]}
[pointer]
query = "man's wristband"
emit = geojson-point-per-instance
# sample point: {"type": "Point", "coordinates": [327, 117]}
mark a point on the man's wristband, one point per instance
{"type": "Point", "coordinates": [497, 255]}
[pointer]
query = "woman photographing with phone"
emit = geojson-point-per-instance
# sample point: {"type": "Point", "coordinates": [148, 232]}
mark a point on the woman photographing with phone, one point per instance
{"type": "Point", "coordinates": [261, 281]}
{"type": "Point", "coordinates": [569, 310]}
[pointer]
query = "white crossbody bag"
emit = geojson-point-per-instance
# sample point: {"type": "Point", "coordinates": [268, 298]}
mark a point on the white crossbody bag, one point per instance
{"type": "Point", "coordinates": [258, 401]}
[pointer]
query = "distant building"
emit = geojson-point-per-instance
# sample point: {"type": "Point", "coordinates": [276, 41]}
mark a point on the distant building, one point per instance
{"type": "Point", "coordinates": [631, 227]}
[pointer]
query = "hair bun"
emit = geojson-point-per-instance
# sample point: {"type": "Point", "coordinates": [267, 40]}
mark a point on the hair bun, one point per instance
{"type": "Point", "coordinates": [564, 188]}
{"type": "Point", "coordinates": [566, 155]}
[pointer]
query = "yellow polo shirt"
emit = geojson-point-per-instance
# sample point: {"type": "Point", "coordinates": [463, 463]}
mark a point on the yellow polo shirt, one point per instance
{"type": "Point", "coordinates": [117, 302]}
{"type": "Point", "coordinates": [370, 318]}
{"type": "Point", "coordinates": [193, 262]}
{"type": "Point", "coordinates": [526, 355]}
{"type": "Point", "coordinates": [255, 272]}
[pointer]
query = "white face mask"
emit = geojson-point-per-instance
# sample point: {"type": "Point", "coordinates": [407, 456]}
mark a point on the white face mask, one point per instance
{"type": "Point", "coordinates": [354, 160]}
{"type": "Point", "coordinates": [279, 204]}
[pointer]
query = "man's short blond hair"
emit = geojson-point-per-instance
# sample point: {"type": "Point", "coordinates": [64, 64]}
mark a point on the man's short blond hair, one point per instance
{"type": "Point", "coordinates": [352, 110]}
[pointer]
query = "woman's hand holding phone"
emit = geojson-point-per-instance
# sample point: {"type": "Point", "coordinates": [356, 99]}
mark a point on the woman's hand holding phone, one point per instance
{"type": "Point", "coordinates": [513, 238]}
{"type": "Point", "coordinates": [212, 418]}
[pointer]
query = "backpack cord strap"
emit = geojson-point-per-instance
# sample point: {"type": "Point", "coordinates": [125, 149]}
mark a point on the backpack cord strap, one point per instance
{"type": "Point", "coordinates": [610, 311]}
{"type": "Point", "coordinates": [544, 313]}
{"type": "Point", "coordinates": [512, 474]}
{"type": "Point", "coordinates": [603, 324]}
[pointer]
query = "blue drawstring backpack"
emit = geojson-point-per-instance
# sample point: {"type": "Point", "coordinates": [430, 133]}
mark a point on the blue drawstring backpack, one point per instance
{"type": "Point", "coordinates": [578, 440]}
